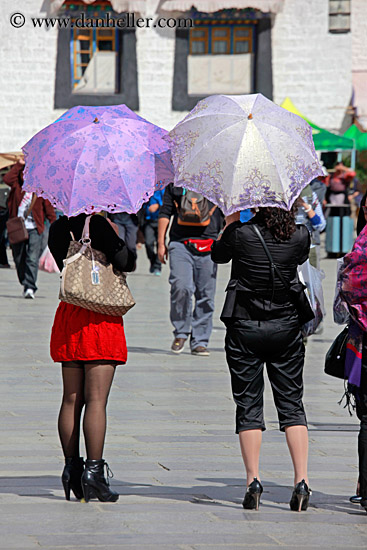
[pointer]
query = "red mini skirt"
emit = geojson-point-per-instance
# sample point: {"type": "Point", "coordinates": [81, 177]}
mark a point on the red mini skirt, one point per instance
{"type": "Point", "coordinates": [82, 335]}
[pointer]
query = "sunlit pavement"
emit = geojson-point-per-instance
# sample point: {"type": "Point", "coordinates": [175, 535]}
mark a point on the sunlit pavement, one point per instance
{"type": "Point", "coordinates": [170, 440]}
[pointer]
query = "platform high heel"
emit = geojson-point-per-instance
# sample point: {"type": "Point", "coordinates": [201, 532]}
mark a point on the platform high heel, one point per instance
{"type": "Point", "coordinates": [71, 477]}
{"type": "Point", "coordinates": [300, 497]}
{"type": "Point", "coordinates": [95, 484]}
{"type": "Point", "coordinates": [252, 496]}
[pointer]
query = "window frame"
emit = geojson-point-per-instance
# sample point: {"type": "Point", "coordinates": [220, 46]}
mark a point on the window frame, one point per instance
{"type": "Point", "coordinates": [94, 40]}
{"type": "Point", "coordinates": [334, 15]}
{"type": "Point", "coordinates": [127, 74]}
{"type": "Point", "coordinates": [204, 39]}
{"type": "Point", "coordinates": [231, 38]}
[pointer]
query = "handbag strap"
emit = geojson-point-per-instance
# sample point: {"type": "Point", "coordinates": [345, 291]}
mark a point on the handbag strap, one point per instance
{"type": "Point", "coordinates": [85, 235]}
{"type": "Point", "coordinates": [273, 266]}
{"type": "Point", "coordinates": [33, 200]}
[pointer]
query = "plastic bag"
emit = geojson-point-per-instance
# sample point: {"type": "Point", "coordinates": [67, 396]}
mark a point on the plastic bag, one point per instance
{"type": "Point", "coordinates": [312, 278]}
{"type": "Point", "coordinates": [340, 308]}
{"type": "Point", "coordinates": [47, 262]}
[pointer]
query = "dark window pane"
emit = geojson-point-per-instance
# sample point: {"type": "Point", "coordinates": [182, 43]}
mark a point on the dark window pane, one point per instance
{"type": "Point", "coordinates": [105, 32]}
{"type": "Point", "coordinates": [220, 33]}
{"type": "Point", "coordinates": [82, 45]}
{"type": "Point", "coordinates": [220, 46]}
{"type": "Point", "coordinates": [241, 46]}
{"type": "Point", "coordinates": [242, 32]}
{"type": "Point", "coordinates": [105, 45]}
{"type": "Point", "coordinates": [197, 47]}
{"type": "Point", "coordinates": [198, 34]}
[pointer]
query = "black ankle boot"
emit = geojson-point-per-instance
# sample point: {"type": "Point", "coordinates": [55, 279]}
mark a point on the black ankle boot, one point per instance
{"type": "Point", "coordinates": [94, 482]}
{"type": "Point", "coordinates": [72, 476]}
{"type": "Point", "coordinates": [300, 497]}
{"type": "Point", "coordinates": [252, 496]}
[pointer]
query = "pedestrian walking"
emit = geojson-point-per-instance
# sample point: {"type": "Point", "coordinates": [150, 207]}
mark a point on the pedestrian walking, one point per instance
{"type": "Point", "coordinates": [128, 228]}
{"type": "Point", "coordinates": [263, 327]}
{"type": "Point", "coordinates": [150, 230]}
{"type": "Point", "coordinates": [89, 346]}
{"type": "Point", "coordinates": [310, 214]}
{"type": "Point", "coordinates": [196, 223]}
{"type": "Point", "coordinates": [26, 254]}
{"type": "Point", "coordinates": [338, 189]}
{"type": "Point", "coordinates": [352, 285]}
{"type": "Point", "coordinates": [4, 216]}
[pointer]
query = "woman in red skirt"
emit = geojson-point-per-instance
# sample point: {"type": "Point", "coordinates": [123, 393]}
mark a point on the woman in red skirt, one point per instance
{"type": "Point", "coordinates": [88, 345]}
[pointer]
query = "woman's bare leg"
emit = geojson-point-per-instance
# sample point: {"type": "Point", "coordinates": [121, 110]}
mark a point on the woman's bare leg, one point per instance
{"type": "Point", "coordinates": [71, 408]}
{"type": "Point", "coordinates": [297, 440]}
{"type": "Point", "coordinates": [250, 441]}
{"type": "Point", "coordinates": [98, 380]}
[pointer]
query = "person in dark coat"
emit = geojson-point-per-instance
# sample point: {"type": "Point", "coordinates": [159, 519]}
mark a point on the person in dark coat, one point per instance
{"type": "Point", "coordinates": [26, 254]}
{"type": "Point", "coordinates": [361, 403]}
{"type": "Point", "coordinates": [263, 328]}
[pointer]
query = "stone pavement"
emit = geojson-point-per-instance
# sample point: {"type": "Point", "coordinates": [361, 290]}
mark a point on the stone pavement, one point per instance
{"type": "Point", "coordinates": [170, 441]}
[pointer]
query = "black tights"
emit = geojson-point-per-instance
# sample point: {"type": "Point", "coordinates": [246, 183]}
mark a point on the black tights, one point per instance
{"type": "Point", "coordinates": [85, 384]}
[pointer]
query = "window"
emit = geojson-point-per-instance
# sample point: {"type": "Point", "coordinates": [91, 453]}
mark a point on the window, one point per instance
{"type": "Point", "coordinates": [94, 60]}
{"type": "Point", "coordinates": [339, 16]}
{"type": "Point", "coordinates": [221, 39]}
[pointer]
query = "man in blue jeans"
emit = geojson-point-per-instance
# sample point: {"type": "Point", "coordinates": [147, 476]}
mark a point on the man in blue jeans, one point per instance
{"type": "Point", "coordinates": [192, 272]}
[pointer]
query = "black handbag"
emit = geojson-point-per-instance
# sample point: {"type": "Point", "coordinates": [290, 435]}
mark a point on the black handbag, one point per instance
{"type": "Point", "coordinates": [335, 357]}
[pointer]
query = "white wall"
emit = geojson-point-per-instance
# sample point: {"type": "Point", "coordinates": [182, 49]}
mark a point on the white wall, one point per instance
{"type": "Point", "coordinates": [359, 35]}
{"type": "Point", "coordinates": [310, 65]}
{"type": "Point", "coordinates": [27, 76]}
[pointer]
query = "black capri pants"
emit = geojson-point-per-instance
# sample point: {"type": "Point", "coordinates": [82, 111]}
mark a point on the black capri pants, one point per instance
{"type": "Point", "coordinates": [278, 343]}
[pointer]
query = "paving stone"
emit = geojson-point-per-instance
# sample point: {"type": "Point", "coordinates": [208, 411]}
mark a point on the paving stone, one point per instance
{"type": "Point", "coordinates": [170, 441]}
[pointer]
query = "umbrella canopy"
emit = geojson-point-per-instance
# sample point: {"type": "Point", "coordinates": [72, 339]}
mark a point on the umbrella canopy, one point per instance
{"type": "Point", "coordinates": [97, 158]}
{"type": "Point", "coordinates": [243, 151]}
{"type": "Point", "coordinates": [323, 139]}
{"type": "Point", "coordinates": [359, 138]}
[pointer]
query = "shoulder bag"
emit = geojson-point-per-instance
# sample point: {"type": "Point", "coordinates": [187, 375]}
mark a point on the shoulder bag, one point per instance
{"type": "Point", "coordinates": [88, 280]}
{"type": "Point", "coordinates": [17, 231]}
{"type": "Point", "coordinates": [299, 298]}
{"type": "Point", "coordinates": [335, 357]}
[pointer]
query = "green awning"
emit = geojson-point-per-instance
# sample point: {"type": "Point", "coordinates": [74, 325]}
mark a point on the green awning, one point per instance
{"type": "Point", "coordinates": [323, 139]}
{"type": "Point", "coordinates": [359, 138]}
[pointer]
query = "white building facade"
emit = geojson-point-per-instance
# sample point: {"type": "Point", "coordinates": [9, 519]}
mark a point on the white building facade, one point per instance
{"type": "Point", "coordinates": [313, 51]}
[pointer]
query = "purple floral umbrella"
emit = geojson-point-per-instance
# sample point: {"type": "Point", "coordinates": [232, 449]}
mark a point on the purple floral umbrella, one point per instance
{"type": "Point", "coordinates": [98, 158]}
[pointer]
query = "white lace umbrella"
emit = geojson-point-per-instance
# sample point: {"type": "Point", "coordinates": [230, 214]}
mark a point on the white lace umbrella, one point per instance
{"type": "Point", "coordinates": [243, 151]}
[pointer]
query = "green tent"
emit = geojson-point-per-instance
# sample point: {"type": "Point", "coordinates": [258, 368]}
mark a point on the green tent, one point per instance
{"type": "Point", "coordinates": [359, 138]}
{"type": "Point", "coordinates": [323, 139]}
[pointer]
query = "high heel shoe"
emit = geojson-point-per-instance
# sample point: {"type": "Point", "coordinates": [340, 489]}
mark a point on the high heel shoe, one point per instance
{"type": "Point", "coordinates": [252, 496]}
{"type": "Point", "coordinates": [95, 484]}
{"type": "Point", "coordinates": [300, 497]}
{"type": "Point", "coordinates": [72, 475]}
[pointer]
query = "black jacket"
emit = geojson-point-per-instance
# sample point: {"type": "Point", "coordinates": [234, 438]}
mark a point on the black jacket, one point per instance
{"type": "Point", "coordinates": [250, 289]}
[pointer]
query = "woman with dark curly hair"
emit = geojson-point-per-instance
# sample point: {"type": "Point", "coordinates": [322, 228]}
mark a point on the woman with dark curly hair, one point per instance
{"type": "Point", "coordinates": [263, 327]}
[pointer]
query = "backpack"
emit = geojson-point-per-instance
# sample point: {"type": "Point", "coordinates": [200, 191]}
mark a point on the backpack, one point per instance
{"type": "Point", "coordinates": [194, 209]}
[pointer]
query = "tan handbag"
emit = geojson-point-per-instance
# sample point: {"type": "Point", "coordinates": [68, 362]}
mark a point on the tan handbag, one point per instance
{"type": "Point", "coordinates": [89, 281]}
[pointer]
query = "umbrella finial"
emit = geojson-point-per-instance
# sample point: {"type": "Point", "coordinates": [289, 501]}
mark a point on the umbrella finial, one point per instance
{"type": "Point", "coordinates": [96, 121]}
{"type": "Point", "coordinates": [250, 117]}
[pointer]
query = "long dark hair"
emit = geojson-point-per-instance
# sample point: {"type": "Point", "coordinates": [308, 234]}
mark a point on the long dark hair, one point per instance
{"type": "Point", "coordinates": [281, 223]}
